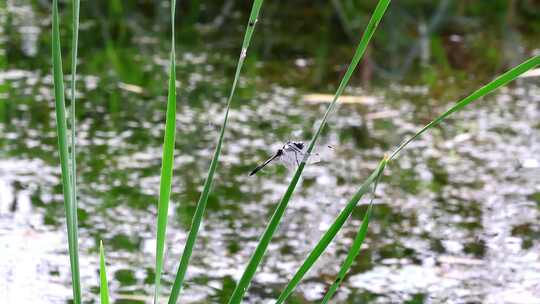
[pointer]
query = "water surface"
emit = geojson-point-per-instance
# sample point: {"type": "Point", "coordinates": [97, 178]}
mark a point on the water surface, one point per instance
{"type": "Point", "coordinates": [456, 216]}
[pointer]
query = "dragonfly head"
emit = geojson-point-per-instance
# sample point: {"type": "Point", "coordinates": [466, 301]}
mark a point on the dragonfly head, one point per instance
{"type": "Point", "coordinates": [299, 145]}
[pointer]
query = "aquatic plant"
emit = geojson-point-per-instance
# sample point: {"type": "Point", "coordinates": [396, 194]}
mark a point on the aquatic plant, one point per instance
{"type": "Point", "coordinates": [103, 285]}
{"type": "Point", "coordinates": [374, 177]}
{"type": "Point", "coordinates": [68, 166]}
{"type": "Point", "coordinates": [266, 237]}
{"type": "Point", "coordinates": [488, 88]}
{"type": "Point", "coordinates": [68, 172]}
{"type": "Point", "coordinates": [203, 199]}
{"type": "Point", "coordinates": [167, 162]}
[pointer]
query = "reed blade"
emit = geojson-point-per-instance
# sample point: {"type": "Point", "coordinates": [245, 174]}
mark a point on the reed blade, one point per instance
{"type": "Point", "coordinates": [67, 183]}
{"type": "Point", "coordinates": [501, 80]}
{"type": "Point", "coordinates": [329, 235]}
{"type": "Point", "coordinates": [203, 199]}
{"type": "Point", "coordinates": [166, 163]}
{"type": "Point", "coordinates": [483, 91]}
{"type": "Point", "coordinates": [355, 247]}
{"type": "Point", "coordinates": [103, 285]}
{"type": "Point", "coordinates": [73, 123]}
{"type": "Point", "coordinates": [273, 224]}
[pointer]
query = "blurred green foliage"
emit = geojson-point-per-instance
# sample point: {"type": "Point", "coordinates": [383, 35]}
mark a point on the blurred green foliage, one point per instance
{"type": "Point", "coordinates": [418, 42]}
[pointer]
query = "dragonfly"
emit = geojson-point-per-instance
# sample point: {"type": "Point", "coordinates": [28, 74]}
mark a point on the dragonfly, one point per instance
{"type": "Point", "coordinates": [291, 154]}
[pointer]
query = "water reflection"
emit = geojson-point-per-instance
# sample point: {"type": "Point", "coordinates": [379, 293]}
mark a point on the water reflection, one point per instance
{"type": "Point", "coordinates": [456, 218]}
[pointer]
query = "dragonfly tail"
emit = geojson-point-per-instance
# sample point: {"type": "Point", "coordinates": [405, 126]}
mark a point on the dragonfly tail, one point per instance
{"type": "Point", "coordinates": [264, 164]}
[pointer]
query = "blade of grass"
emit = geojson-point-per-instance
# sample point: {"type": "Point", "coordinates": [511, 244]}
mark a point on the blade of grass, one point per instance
{"type": "Point", "coordinates": [265, 239]}
{"type": "Point", "coordinates": [330, 233]}
{"type": "Point", "coordinates": [355, 247]}
{"type": "Point", "coordinates": [488, 88]}
{"type": "Point", "coordinates": [166, 163]}
{"type": "Point", "coordinates": [74, 44]}
{"type": "Point", "coordinates": [503, 79]}
{"type": "Point", "coordinates": [61, 126]}
{"type": "Point", "coordinates": [203, 199]}
{"type": "Point", "coordinates": [103, 285]}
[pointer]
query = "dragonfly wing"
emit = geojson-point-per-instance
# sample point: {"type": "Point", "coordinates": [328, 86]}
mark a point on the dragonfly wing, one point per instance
{"type": "Point", "coordinates": [314, 158]}
{"type": "Point", "coordinates": [324, 154]}
{"type": "Point", "coordinates": [291, 159]}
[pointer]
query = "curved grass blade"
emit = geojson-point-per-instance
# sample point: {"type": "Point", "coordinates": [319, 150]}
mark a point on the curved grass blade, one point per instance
{"type": "Point", "coordinates": [265, 239]}
{"type": "Point", "coordinates": [103, 285]}
{"type": "Point", "coordinates": [67, 184]}
{"type": "Point", "coordinates": [203, 199]}
{"type": "Point", "coordinates": [330, 233]}
{"type": "Point", "coordinates": [488, 88]}
{"type": "Point", "coordinates": [166, 163]}
{"type": "Point", "coordinates": [355, 247]}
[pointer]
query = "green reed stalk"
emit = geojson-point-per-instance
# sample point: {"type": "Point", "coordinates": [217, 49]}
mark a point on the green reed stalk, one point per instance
{"type": "Point", "coordinates": [74, 44]}
{"type": "Point", "coordinates": [501, 80]}
{"type": "Point", "coordinates": [330, 233]}
{"type": "Point", "coordinates": [67, 184]}
{"type": "Point", "coordinates": [167, 163]}
{"type": "Point", "coordinates": [265, 239]}
{"type": "Point", "coordinates": [103, 285]}
{"type": "Point", "coordinates": [73, 146]}
{"type": "Point", "coordinates": [203, 199]}
{"type": "Point", "coordinates": [355, 247]}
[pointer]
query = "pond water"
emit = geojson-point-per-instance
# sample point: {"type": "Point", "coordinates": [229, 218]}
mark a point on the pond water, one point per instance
{"type": "Point", "coordinates": [456, 217]}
